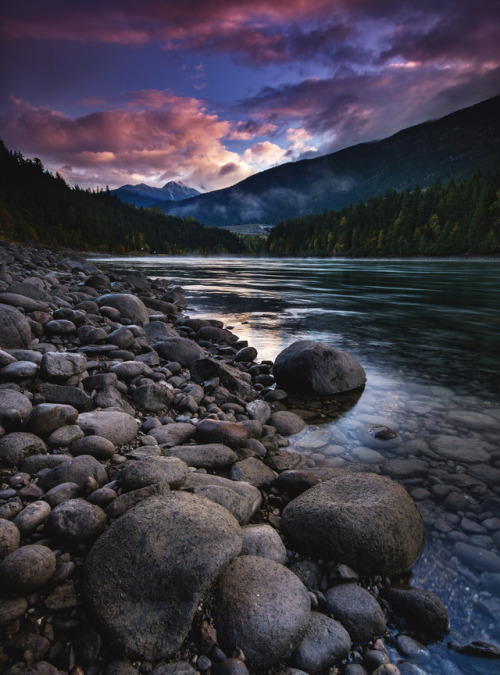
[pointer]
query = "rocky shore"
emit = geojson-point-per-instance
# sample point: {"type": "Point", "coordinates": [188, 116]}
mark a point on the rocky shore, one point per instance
{"type": "Point", "coordinates": [152, 516]}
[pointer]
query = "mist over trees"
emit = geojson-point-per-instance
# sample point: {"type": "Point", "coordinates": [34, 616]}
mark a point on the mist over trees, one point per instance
{"type": "Point", "coordinates": [456, 218]}
{"type": "Point", "coordinates": [37, 206]}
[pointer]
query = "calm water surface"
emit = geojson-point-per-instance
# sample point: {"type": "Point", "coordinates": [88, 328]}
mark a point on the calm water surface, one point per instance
{"type": "Point", "coordinates": [428, 335]}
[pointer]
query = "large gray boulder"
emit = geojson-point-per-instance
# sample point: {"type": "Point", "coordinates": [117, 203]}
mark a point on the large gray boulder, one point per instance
{"type": "Point", "coordinates": [15, 331]}
{"type": "Point", "coordinates": [145, 576]}
{"type": "Point", "coordinates": [366, 521]}
{"type": "Point", "coordinates": [262, 608]}
{"type": "Point", "coordinates": [129, 306]}
{"type": "Point", "coordinates": [308, 367]}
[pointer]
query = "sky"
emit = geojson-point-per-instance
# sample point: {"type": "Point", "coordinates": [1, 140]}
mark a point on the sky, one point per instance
{"type": "Point", "coordinates": [209, 92]}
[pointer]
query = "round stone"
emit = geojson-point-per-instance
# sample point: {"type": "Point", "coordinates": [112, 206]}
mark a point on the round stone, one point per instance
{"type": "Point", "coordinates": [366, 521]}
{"type": "Point", "coordinates": [27, 568]}
{"type": "Point", "coordinates": [307, 367]}
{"type": "Point", "coordinates": [10, 537]}
{"type": "Point", "coordinates": [325, 643]}
{"type": "Point", "coordinates": [76, 520]}
{"type": "Point", "coordinates": [357, 610]}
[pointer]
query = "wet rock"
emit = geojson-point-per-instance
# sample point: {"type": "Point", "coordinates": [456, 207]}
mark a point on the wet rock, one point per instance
{"type": "Point", "coordinates": [411, 649]}
{"type": "Point", "coordinates": [95, 446]}
{"type": "Point", "coordinates": [219, 431]}
{"type": "Point", "coordinates": [62, 365]}
{"type": "Point", "coordinates": [10, 537]}
{"type": "Point", "coordinates": [14, 408]}
{"type": "Point", "coordinates": [287, 423]}
{"type": "Point", "coordinates": [423, 610]}
{"type": "Point", "coordinates": [145, 576]}
{"type": "Point", "coordinates": [325, 643]}
{"type": "Point", "coordinates": [246, 355]}
{"type": "Point", "coordinates": [31, 517]}
{"type": "Point", "coordinates": [366, 521]}
{"type": "Point", "coordinates": [207, 456]}
{"type": "Point", "coordinates": [460, 449]}
{"type": "Point", "coordinates": [76, 520]}
{"type": "Point", "coordinates": [15, 331]}
{"type": "Point", "coordinates": [27, 568]}
{"type": "Point", "coordinates": [20, 370]}
{"type": "Point", "coordinates": [144, 472]}
{"type": "Point", "coordinates": [308, 367]}
{"type": "Point", "coordinates": [179, 349]}
{"type": "Point", "coordinates": [253, 471]}
{"type": "Point", "coordinates": [129, 306]}
{"type": "Point", "coordinates": [405, 468]}
{"type": "Point", "coordinates": [82, 470]}
{"type": "Point", "coordinates": [262, 608]}
{"type": "Point", "coordinates": [479, 558]}
{"type": "Point", "coordinates": [264, 541]}
{"type": "Point", "coordinates": [17, 446]}
{"type": "Point", "coordinates": [357, 610]}
{"type": "Point", "coordinates": [117, 427]}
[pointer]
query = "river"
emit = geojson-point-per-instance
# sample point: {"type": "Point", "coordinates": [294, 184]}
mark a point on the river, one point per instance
{"type": "Point", "coordinates": [427, 333]}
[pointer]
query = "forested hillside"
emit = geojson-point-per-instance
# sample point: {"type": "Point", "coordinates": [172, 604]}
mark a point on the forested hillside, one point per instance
{"type": "Point", "coordinates": [459, 217]}
{"type": "Point", "coordinates": [36, 206]}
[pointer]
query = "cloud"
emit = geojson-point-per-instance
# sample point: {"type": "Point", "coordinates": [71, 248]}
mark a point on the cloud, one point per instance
{"type": "Point", "coordinates": [153, 137]}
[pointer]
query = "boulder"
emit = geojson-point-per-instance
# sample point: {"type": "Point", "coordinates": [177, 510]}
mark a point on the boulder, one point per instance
{"type": "Point", "coordinates": [312, 368]}
{"type": "Point", "coordinates": [261, 608]}
{"type": "Point", "coordinates": [15, 331]}
{"type": "Point", "coordinates": [129, 306]}
{"type": "Point", "coordinates": [366, 521]}
{"type": "Point", "coordinates": [423, 610]}
{"type": "Point", "coordinates": [145, 576]}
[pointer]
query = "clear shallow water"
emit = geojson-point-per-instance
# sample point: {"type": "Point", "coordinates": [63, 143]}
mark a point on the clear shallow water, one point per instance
{"type": "Point", "coordinates": [428, 335]}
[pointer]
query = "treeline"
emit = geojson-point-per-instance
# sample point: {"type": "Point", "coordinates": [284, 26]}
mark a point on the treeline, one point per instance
{"type": "Point", "coordinates": [37, 206]}
{"type": "Point", "coordinates": [456, 218]}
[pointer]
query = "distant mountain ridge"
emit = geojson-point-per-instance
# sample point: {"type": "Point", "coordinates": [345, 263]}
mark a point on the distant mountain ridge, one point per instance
{"type": "Point", "coordinates": [456, 145]}
{"type": "Point", "coordinates": [147, 196]}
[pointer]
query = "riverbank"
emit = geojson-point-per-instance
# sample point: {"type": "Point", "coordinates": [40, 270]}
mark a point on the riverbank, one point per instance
{"type": "Point", "coordinates": [140, 404]}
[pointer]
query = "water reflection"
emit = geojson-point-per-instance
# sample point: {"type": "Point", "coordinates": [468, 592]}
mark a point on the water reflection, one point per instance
{"type": "Point", "coordinates": [428, 336]}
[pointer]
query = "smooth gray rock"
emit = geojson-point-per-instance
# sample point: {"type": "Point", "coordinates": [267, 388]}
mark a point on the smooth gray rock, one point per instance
{"type": "Point", "coordinates": [207, 456]}
{"type": "Point", "coordinates": [263, 540]}
{"type": "Point", "coordinates": [17, 446]}
{"type": "Point", "coordinates": [128, 369]}
{"type": "Point", "coordinates": [357, 610]}
{"type": "Point", "coordinates": [60, 393]}
{"type": "Point", "coordinates": [31, 517]}
{"type": "Point", "coordinates": [262, 608]}
{"type": "Point", "coordinates": [96, 446]}
{"type": "Point", "coordinates": [118, 427]}
{"type": "Point", "coordinates": [128, 500]}
{"type": "Point", "coordinates": [61, 493]}
{"type": "Point", "coordinates": [478, 557]}
{"type": "Point", "coordinates": [14, 408]}
{"type": "Point", "coordinates": [64, 436]}
{"type": "Point", "coordinates": [173, 434]}
{"type": "Point", "coordinates": [76, 520]}
{"type": "Point", "coordinates": [145, 576]}
{"type": "Point", "coordinates": [287, 423]}
{"type": "Point", "coordinates": [259, 410]}
{"type": "Point", "coordinates": [62, 365]}
{"type": "Point", "coordinates": [81, 470]}
{"type": "Point", "coordinates": [240, 498]}
{"type": "Point", "coordinates": [47, 417]}
{"type": "Point", "coordinates": [153, 397]}
{"type": "Point", "coordinates": [144, 472]}
{"type": "Point", "coordinates": [129, 306]}
{"type": "Point", "coordinates": [10, 537]}
{"type": "Point", "coordinates": [221, 431]}
{"type": "Point", "coordinates": [179, 349]}
{"type": "Point", "coordinates": [15, 331]}
{"type": "Point", "coordinates": [20, 370]}
{"type": "Point", "coordinates": [27, 568]}
{"type": "Point", "coordinates": [158, 331]}
{"type": "Point", "coordinates": [308, 367]}
{"type": "Point", "coordinates": [325, 643]}
{"type": "Point", "coordinates": [366, 521]}
{"type": "Point", "coordinates": [253, 471]}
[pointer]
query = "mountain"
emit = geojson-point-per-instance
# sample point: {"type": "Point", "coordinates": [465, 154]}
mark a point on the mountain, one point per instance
{"type": "Point", "coordinates": [147, 196]}
{"type": "Point", "coordinates": [456, 145]}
